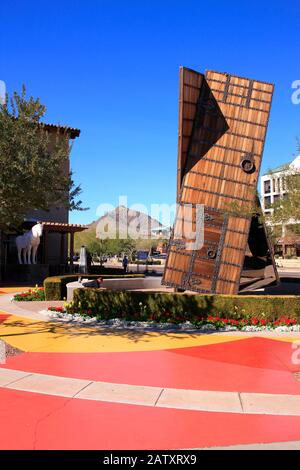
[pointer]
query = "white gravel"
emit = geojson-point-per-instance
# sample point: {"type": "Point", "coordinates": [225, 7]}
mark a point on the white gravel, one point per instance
{"type": "Point", "coordinates": [117, 323]}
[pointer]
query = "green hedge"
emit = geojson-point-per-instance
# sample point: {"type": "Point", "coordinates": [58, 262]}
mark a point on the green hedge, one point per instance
{"type": "Point", "coordinates": [148, 262]}
{"type": "Point", "coordinates": [181, 307]}
{"type": "Point", "coordinates": [98, 270]}
{"type": "Point", "coordinates": [55, 286]}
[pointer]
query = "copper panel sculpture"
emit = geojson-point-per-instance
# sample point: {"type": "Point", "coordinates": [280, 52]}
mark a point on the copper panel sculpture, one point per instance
{"type": "Point", "coordinates": [222, 127]}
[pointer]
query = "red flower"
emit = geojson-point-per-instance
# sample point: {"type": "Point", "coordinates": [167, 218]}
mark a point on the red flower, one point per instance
{"type": "Point", "coordinates": [56, 309]}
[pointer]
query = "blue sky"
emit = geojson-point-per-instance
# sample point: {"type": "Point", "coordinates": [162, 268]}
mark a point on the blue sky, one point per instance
{"type": "Point", "coordinates": [110, 68]}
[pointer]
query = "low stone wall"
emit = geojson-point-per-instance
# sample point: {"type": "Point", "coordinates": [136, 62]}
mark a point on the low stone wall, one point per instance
{"type": "Point", "coordinates": [287, 263]}
{"type": "Point", "coordinates": [134, 283]}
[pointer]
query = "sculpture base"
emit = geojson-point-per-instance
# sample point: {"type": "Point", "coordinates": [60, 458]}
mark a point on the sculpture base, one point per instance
{"type": "Point", "coordinates": [25, 273]}
{"type": "Point", "coordinates": [31, 274]}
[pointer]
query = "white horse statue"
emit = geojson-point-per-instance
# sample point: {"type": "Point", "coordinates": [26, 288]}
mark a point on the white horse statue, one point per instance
{"type": "Point", "coordinates": [28, 243]}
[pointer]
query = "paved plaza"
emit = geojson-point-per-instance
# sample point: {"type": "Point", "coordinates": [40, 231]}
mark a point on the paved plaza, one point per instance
{"type": "Point", "coordinates": [72, 386]}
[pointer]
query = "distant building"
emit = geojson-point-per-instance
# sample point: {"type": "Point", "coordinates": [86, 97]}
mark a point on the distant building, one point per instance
{"type": "Point", "coordinates": [272, 188]}
{"type": "Point", "coordinates": [161, 232]}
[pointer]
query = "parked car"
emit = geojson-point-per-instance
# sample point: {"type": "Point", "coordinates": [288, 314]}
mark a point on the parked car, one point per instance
{"type": "Point", "coordinates": [142, 255]}
{"type": "Point", "coordinates": [162, 255]}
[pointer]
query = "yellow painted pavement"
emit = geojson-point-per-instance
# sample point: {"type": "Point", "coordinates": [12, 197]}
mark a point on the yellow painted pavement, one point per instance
{"type": "Point", "coordinates": [44, 336]}
{"type": "Point", "coordinates": [8, 290]}
{"type": "Point", "coordinates": [289, 339]}
{"type": "Point", "coordinates": [36, 335]}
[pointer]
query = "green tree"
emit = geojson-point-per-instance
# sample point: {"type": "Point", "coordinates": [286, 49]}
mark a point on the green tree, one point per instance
{"type": "Point", "coordinates": [102, 249]}
{"type": "Point", "coordinates": [31, 175]}
{"type": "Point", "coordinates": [99, 249]}
{"type": "Point", "coordinates": [147, 244]}
{"type": "Point", "coordinates": [127, 247]}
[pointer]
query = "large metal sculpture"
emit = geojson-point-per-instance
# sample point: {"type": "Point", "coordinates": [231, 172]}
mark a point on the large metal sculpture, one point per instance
{"type": "Point", "coordinates": [222, 127]}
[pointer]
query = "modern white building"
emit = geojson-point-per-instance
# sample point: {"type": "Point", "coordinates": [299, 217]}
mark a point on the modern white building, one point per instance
{"type": "Point", "coordinates": [272, 184]}
{"type": "Point", "coordinates": [272, 187]}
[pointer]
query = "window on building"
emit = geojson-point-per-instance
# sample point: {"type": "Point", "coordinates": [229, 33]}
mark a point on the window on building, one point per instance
{"type": "Point", "coordinates": [276, 199]}
{"type": "Point", "coordinates": [267, 186]}
{"type": "Point", "coordinates": [267, 202]}
{"type": "Point", "coordinates": [268, 215]}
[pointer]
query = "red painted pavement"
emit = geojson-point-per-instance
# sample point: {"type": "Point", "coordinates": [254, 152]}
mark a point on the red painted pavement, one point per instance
{"type": "Point", "coordinates": [3, 316]}
{"type": "Point", "coordinates": [251, 365]}
{"type": "Point", "coordinates": [47, 422]}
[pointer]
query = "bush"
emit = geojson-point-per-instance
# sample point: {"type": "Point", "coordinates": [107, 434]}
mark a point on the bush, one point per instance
{"type": "Point", "coordinates": [148, 262]}
{"type": "Point", "coordinates": [56, 286]}
{"type": "Point", "coordinates": [177, 307]}
{"type": "Point", "coordinates": [35, 294]}
{"type": "Point", "coordinates": [98, 270]}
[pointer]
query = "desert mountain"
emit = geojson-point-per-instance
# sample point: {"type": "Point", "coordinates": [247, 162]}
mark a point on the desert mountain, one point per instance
{"type": "Point", "coordinates": [127, 222]}
{"type": "Point", "coordinates": [122, 218]}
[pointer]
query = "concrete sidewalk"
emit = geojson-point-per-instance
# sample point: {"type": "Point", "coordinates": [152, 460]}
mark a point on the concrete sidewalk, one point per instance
{"type": "Point", "coordinates": [200, 400]}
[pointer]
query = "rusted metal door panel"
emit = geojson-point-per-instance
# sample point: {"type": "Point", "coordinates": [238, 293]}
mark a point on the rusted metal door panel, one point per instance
{"type": "Point", "coordinates": [222, 126]}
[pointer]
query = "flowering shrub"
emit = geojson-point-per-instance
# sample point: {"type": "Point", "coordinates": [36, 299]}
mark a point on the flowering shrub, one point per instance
{"type": "Point", "coordinates": [215, 312]}
{"type": "Point", "coordinates": [178, 307]}
{"type": "Point", "coordinates": [219, 322]}
{"type": "Point", "coordinates": [70, 311]}
{"type": "Point", "coordinates": [213, 322]}
{"type": "Point", "coordinates": [37, 293]}
{"type": "Point", "coordinates": [57, 309]}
